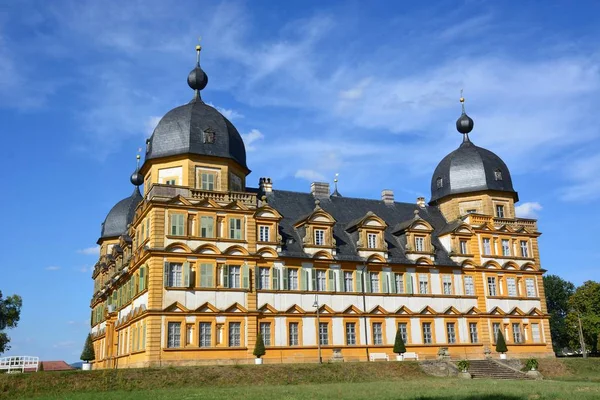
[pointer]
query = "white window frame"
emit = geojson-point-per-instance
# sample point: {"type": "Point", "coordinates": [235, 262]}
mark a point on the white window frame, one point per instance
{"type": "Point", "coordinates": [235, 334]}
{"type": "Point", "coordinates": [427, 335]}
{"type": "Point", "coordinates": [451, 332]}
{"type": "Point", "coordinates": [500, 211]}
{"type": "Point", "coordinates": [205, 334]}
{"type": "Point", "coordinates": [517, 333]}
{"type": "Point", "coordinates": [536, 334]}
{"type": "Point", "coordinates": [403, 328]}
{"type": "Point", "coordinates": [324, 333]}
{"type": "Point", "coordinates": [423, 284]}
{"type": "Point", "coordinates": [350, 333]}
{"type": "Point", "coordinates": [492, 287]}
{"type": "Point", "coordinates": [293, 279]}
{"type": "Point", "coordinates": [348, 281]}
{"type": "Point", "coordinates": [321, 279]}
{"type": "Point", "coordinates": [372, 240]}
{"type": "Point", "coordinates": [473, 332]}
{"type": "Point", "coordinates": [496, 327]}
{"type": "Point", "coordinates": [207, 226]}
{"type": "Point", "coordinates": [319, 237]}
{"type": "Point", "coordinates": [524, 249]}
{"type": "Point", "coordinates": [377, 328]}
{"type": "Point", "coordinates": [399, 282]}
{"type": "Point", "coordinates": [263, 233]}
{"type": "Point", "coordinates": [175, 275]}
{"type": "Point", "coordinates": [374, 279]}
{"type": "Point", "coordinates": [235, 228]}
{"type": "Point", "coordinates": [469, 285]}
{"type": "Point", "coordinates": [177, 227]}
{"type": "Point", "coordinates": [235, 276]}
{"type": "Point", "coordinates": [207, 180]}
{"type": "Point", "coordinates": [265, 330]}
{"type": "Point", "coordinates": [463, 246]}
{"type": "Point", "coordinates": [447, 285]}
{"type": "Point", "coordinates": [511, 285]}
{"type": "Point", "coordinates": [505, 247]}
{"type": "Point", "coordinates": [173, 335]}
{"type": "Point", "coordinates": [487, 246]}
{"type": "Point", "coordinates": [293, 334]}
{"type": "Point", "coordinates": [530, 287]}
{"type": "Point", "coordinates": [265, 278]}
{"type": "Point", "coordinates": [419, 243]}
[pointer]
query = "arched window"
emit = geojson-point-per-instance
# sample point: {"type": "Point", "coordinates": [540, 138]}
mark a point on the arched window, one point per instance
{"type": "Point", "coordinates": [498, 175]}
{"type": "Point", "coordinates": [440, 182]}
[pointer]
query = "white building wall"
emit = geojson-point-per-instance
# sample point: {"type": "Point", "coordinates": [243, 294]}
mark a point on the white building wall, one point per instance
{"type": "Point", "coordinates": [338, 333]}
{"type": "Point", "coordinates": [463, 330]}
{"type": "Point", "coordinates": [280, 331]}
{"type": "Point", "coordinates": [390, 330]}
{"type": "Point", "coordinates": [415, 331]}
{"type": "Point", "coordinates": [192, 299]}
{"type": "Point", "coordinates": [436, 286]}
{"type": "Point", "coordinates": [440, 330]}
{"type": "Point", "coordinates": [508, 304]}
{"type": "Point", "coordinates": [309, 331]}
{"type": "Point", "coordinates": [458, 284]}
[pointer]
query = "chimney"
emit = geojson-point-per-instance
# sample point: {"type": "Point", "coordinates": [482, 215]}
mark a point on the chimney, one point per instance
{"type": "Point", "coordinates": [319, 189]}
{"type": "Point", "coordinates": [387, 196]}
{"type": "Point", "coordinates": [421, 202]}
{"type": "Point", "coordinates": [265, 185]}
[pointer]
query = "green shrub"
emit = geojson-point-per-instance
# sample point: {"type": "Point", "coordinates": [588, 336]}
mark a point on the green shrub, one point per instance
{"type": "Point", "coordinates": [87, 354]}
{"type": "Point", "coordinates": [531, 364]}
{"type": "Point", "coordinates": [463, 365]}
{"type": "Point", "coordinates": [501, 343]}
{"type": "Point", "coordinates": [399, 347]}
{"type": "Point", "coordinates": [259, 348]}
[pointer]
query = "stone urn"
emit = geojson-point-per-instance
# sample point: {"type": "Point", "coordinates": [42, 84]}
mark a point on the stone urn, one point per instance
{"type": "Point", "coordinates": [86, 366]}
{"type": "Point", "coordinates": [503, 356]}
{"type": "Point", "coordinates": [258, 361]}
{"type": "Point", "coordinates": [399, 357]}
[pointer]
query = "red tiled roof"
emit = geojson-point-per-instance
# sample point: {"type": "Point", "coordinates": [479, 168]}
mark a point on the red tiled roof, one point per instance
{"type": "Point", "coordinates": [56, 366]}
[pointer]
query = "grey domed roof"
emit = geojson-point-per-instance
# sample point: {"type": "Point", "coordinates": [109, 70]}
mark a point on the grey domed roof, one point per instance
{"type": "Point", "coordinates": [120, 216]}
{"type": "Point", "coordinates": [469, 169]}
{"type": "Point", "coordinates": [196, 128]}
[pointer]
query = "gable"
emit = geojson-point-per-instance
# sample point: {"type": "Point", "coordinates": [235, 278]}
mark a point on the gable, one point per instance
{"type": "Point", "coordinates": [207, 308]}
{"type": "Point", "coordinates": [236, 308]}
{"type": "Point", "coordinates": [176, 307]}
{"type": "Point", "coordinates": [295, 309]}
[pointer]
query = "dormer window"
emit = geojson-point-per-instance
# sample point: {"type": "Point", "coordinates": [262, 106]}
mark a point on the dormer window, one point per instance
{"type": "Point", "coordinates": [319, 237]}
{"type": "Point", "coordinates": [419, 243]}
{"type": "Point", "coordinates": [498, 175]}
{"type": "Point", "coordinates": [499, 211]}
{"type": "Point", "coordinates": [440, 182]}
{"type": "Point", "coordinates": [372, 240]}
{"type": "Point", "coordinates": [208, 135]}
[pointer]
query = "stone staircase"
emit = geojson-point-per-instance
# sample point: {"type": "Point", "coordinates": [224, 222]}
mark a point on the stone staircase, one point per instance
{"type": "Point", "coordinates": [488, 369]}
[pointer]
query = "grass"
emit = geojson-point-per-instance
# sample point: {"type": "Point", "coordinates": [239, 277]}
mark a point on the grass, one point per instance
{"type": "Point", "coordinates": [570, 378]}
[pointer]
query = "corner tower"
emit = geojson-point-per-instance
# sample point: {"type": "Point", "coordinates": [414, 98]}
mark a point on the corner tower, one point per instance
{"type": "Point", "coordinates": [472, 179]}
{"type": "Point", "coordinates": [195, 146]}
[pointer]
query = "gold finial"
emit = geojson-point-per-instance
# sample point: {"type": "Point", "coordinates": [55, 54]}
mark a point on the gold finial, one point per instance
{"type": "Point", "coordinates": [198, 48]}
{"type": "Point", "coordinates": [462, 99]}
{"type": "Point", "coordinates": [336, 178]}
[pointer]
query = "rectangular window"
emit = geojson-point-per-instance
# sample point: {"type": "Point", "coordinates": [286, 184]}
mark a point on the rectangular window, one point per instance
{"type": "Point", "coordinates": [496, 329]}
{"type": "Point", "coordinates": [512, 287]}
{"type": "Point", "coordinates": [473, 332]}
{"type": "Point", "coordinates": [170, 182]}
{"type": "Point", "coordinates": [372, 240]}
{"type": "Point", "coordinates": [399, 282]}
{"type": "Point", "coordinates": [174, 334]}
{"type": "Point", "coordinates": [487, 248]}
{"type": "Point", "coordinates": [293, 334]}
{"type": "Point", "coordinates": [235, 228]}
{"type": "Point", "coordinates": [321, 281]}
{"type": "Point", "coordinates": [524, 249]}
{"type": "Point", "coordinates": [451, 331]}
{"type": "Point", "coordinates": [491, 286]}
{"type": "Point", "coordinates": [206, 276]}
{"type": "Point", "coordinates": [323, 334]}
{"type": "Point", "coordinates": [423, 284]}
{"type": "Point", "coordinates": [447, 284]}
{"type": "Point", "coordinates": [374, 277]}
{"type": "Point", "coordinates": [505, 247]}
{"type": "Point", "coordinates": [350, 333]}
{"type": "Point", "coordinates": [530, 286]}
{"type": "Point", "coordinates": [535, 333]}
{"type": "Point", "coordinates": [235, 333]}
{"type": "Point", "coordinates": [175, 275]}
{"type": "Point", "coordinates": [234, 276]}
{"type": "Point", "coordinates": [265, 277]}
{"type": "Point", "coordinates": [207, 181]}
{"type": "Point", "coordinates": [469, 286]}
{"type": "Point", "coordinates": [427, 333]}
{"type": "Point", "coordinates": [377, 333]}
{"type": "Point", "coordinates": [177, 224]}
{"type": "Point", "coordinates": [499, 211]}
{"type": "Point", "coordinates": [319, 237]}
{"type": "Point", "coordinates": [205, 334]}
{"type": "Point", "coordinates": [293, 278]}
{"type": "Point", "coordinates": [420, 243]}
{"type": "Point", "coordinates": [265, 331]}
{"type": "Point", "coordinates": [348, 282]}
{"type": "Point", "coordinates": [403, 331]}
{"type": "Point", "coordinates": [207, 227]}
{"type": "Point", "coordinates": [263, 233]}
{"type": "Point", "coordinates": [463, 247]}
{"type": "Point", "coordinates": [517, 337]}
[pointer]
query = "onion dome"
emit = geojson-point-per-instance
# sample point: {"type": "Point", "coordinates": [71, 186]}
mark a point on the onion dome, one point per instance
{"type": "Point", "coordinates": [469, 168]}
{"type": "Point", "coordinates": [196, 128]}
{"type": "Point", "coordinates": [136, 178]}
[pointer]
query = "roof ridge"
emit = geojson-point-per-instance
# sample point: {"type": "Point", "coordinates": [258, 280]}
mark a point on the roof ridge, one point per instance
{"type": "Point", "coordinates": [348, 197]}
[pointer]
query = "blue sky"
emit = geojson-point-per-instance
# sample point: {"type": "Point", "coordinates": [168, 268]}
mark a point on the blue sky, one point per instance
{"type": "Point", "coordinates": [369, 90]}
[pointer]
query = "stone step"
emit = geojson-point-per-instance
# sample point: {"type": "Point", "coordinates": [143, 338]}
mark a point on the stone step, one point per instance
{"type": "Point", "coordinates": [486, 369]}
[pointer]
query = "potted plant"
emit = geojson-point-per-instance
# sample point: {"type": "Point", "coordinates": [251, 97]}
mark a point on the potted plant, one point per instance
{"type": "Point", "coordinates": [87, 354]}
{"type": "Point", "coordinates": [531, 364]}
{"type": "Point", "coordinates": [259, 349]}
{"type": "Point", "coordinates": [399, 347]}
{"type": "Point", "coordinates": [501, 345]}
{"type": "Point", "coordinates": [463, 366]}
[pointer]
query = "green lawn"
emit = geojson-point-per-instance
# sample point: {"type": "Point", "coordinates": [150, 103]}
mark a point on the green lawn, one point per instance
{"type": "Point", "coordinates": [424, 389]}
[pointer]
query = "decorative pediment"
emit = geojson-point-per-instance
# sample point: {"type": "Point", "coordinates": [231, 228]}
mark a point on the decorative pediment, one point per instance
{"type": "Point", "coordinates": [427, 310]}
{"type": "Point", "coordinates": [496, 311]}
{"type": "Point", "coordinates": [417, 224]}
{"type": "Point", "coordinates": [376, 258]}
{"type": "Point", "coordinates": [207, 308]}
{"type": "Point", "coordinates": [236, 251]}
{"type": "Point", "coordinates": [352, 310]}
{"type": "Point", "coordinates": [236, 308]}
{"type": "Point", "coordinates": [491, 265]}
{"type": "Point", "coordinates": [522, 229]}
{"type": "Point", "coordinates": [404, 311]}
{"type": "Point", "coordinates": [535, 312]}
{"type": "Point", "coordinates": [178, 247]}
{"type": "Point", "coordinates": [516, 311]}
{"type": "Point", "coordinates": [179, 200]}
{"type": "Point", "coordinates": [369, 220]}
{"type": "Point", "coordinates": [473, 311]}
{"type": "Point", "coordinates": [325, 309]}
{"type": "Point", "coordinates": [323, 255]}
{"type": "Point", "coordinates": [295, 309]}
{"type": "Point", "coordinates": [318, 216]}
{"type": "Point", "coordinates": [451, 310]}
{"type": "Point", "coordinates": [378, 310]}
{"type": "Point", "coordinates": [267, 309]}
{"type": "Point", "coordinates": [267, 212]}
{"type": "Point", "coordinates": [176, 307]}
{"type": "Point", "coordinates": [510, 265]}
{"type": "Point", "coordinates": [236, 205]}
{"type": "Point", "coordinates": [207, 249]}
{"type": "Point", "coordinates": [486, 227]}
{"type": "Point", "coordinates": [208, 203]}
{"type": "Point", "coordinates": [505, 228]}
{"type": "Point", "coordinates": [267, 252]}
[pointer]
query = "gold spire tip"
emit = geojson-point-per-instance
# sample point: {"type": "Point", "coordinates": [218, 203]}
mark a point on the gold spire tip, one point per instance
{"type": "Point", "coordinates": [137, 157]}
{"type": "Point", "coordinates": [198, 47]}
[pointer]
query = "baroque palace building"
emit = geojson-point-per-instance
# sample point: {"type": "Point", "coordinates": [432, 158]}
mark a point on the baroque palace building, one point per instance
{"type": "Point", "coordinates": [195, 265]}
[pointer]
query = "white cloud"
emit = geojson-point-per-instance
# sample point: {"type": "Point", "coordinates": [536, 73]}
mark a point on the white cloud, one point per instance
{"type": "Point", "coordinates": [528, 210]}
{"type": "Point", "coordinates": [52, 268]}
{"type": "Point", "coordinates": [228, 113]}
{"type": "Point", "coordinates": [251, 137]}
{"type": "Point", "coordinates": [90, 251]}
{"type": "Point", "coordinates": [309, 175]}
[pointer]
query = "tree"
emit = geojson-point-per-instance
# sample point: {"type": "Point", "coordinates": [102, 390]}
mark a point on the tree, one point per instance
{"type": "Point", "coordinates": [10, 312]}
{"type": "Point", "coordinates": [88, 353]}
{"type": "Point", "coordinates": [558, 291]}
{"type": "Point", "coordinates": [259, 347]}
{"type": "Point", "coordinates": [399, 347]}
{"type": "Point", "coordinates": [585, 304]}
{"type": "Point", "coordinates": [501, 343]}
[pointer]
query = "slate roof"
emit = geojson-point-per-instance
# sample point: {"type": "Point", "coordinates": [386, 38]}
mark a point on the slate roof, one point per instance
{"type": "Point", "coordinates": [346, 210]}
{"type": "Point", "coordinates": [181, 131]}
{"type": "Point", "coordinates": [120, 216]}
{"type": "Point", "coordinates": [470, 169]}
